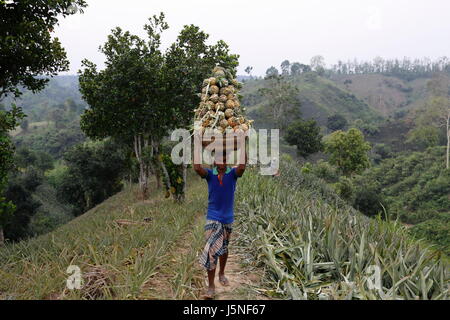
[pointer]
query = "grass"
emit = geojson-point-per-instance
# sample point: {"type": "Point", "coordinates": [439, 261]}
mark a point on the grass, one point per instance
{"type": "Point", "coordinates": [118, 262]}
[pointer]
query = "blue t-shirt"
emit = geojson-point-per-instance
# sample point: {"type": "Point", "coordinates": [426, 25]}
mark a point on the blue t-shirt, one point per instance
{"type": "Point", "coordinates": [221, 195]}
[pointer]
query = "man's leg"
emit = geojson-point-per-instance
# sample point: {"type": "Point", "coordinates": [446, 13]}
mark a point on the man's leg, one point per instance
{"type": "Point", "coordinates": [223, 262]}
{"type": "Point", "coordinates": [211, 287]}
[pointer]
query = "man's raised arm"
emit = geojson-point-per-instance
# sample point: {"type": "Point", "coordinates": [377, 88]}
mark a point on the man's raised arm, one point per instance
{"type": "Point", "coordinates": [240, 169]}
{"type": "Point", "coordinates": [197, 156]}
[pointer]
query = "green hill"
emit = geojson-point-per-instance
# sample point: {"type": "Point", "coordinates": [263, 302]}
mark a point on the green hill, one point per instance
{"type": "Point", "coordinates": [319, 97]}
{"type": "Point", "coordinates": [308, 241]}
{"type": "Point", "coordinates": [416, 188]}
{"type": "Point", "coordinates": [61, 92]}
{"type": "Point", "coordinates": [390, 95]}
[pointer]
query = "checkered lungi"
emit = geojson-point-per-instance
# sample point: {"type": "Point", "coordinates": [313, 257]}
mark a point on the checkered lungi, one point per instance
{"type": "Point", "coordinates": [217, 238]}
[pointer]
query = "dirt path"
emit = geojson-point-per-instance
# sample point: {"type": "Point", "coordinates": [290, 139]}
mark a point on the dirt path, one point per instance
{"type": "Point", "coordinates": [243, 283]}
{"type": "Point", "coordinates": [182, 277]}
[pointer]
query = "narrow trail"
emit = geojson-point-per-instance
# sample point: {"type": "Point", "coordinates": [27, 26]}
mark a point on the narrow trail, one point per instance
{"type": "Point", "coordinates": [182, 277]}
{"type": "Point", "coordinates": [241, 282]}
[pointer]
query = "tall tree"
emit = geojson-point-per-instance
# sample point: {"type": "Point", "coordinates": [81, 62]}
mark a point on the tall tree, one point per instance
{"type": "Point", "coordinates": [348, 151]}
{"type": "Point", "coordinates": [272, 72]}
{"type": "Point", "coordinates": [434, 117]}
{"type": "Point", "coordinates": [143, 93]}
{"type": "Point", "coordinates": [285, 67]}
{"type": "Point", "coordinates": [249, 70]}
{"type": "Point", "coordinates": [281, 101]}
{"type": "Point", "coordinates": [318, 64]}
{"type": "Point", "coordinates": [125, 98]}
{"type": "Point", "coordinates": [336, 122]}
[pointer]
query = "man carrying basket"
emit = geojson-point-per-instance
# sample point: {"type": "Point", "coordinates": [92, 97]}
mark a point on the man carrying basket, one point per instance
{"type": "Point", "coordinates": [221, 181]}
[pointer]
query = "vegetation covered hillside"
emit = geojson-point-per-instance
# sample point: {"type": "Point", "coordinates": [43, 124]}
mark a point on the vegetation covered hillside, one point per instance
{"type": "Point", "coordinates": [391, 96]}
{"type": "Point", "coordinates": [61, 92]}
{"type": "Point", "coordinates": [309, 242]}
{"type": "Point", "coordinates": [416, 188]}
{"type": "Point", "coordinates": [319, 98]}
{"type": "Point", "coordinates": [314, 246]}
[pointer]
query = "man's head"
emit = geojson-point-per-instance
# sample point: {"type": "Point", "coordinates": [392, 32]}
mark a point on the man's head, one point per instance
{"type": "Point", "coordinates": [220, 161]}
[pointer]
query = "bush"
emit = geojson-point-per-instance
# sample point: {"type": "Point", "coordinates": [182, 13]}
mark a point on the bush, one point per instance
{"type": "Point", "coordinates": [435, 230]}
{"type": "Point", "coordinates": [368, 200]}
{"type": "Point", "coordinates": [345, 189]}
{"type": "Point", "coordinates": [326, 171]}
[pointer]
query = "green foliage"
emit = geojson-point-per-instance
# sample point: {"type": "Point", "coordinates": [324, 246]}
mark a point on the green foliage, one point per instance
{"type": "Point", "coordinates": [313, 247]}
{"type": "Point", "coordinates": [345, 189]}
{"type": "Point", "coordinates": [436, 231]}
{"type": "Point", "coordinates": [175, 173]}
{"type": "Point", "coordinates": [348, 151]}
{"type": "Point", "coordinates": [305, 135]}
{"type": "Point", "coordinates": [367, 128]}
{"type": "Point", "coordinates": [51, 214]}
{"type": "Point", "coordinates": [131, 255]}
{"type": "Point", "coordinates": [26, 45]}
{"type": "Point", "coordinates": [423, 136]}
{"type": "Point", "coordinates": [25, 157]}
{"type": "Point", "coordinates": [336, 122]}
{"type": "Point", "coordinates": [20, 192]}
{"type": "Point", "coordinates": [319, 98]}
{"type": "Point", "coordinates": [8, 121]}
{"type": "Point", "coordinates": [143, 90]}
{"type": "Point", "coordinates": [325, 171]}
{"type": "Point", "coordinates": [51, 140]}
{"type": "Point", "coordinates": [61, 93]}
{"type": "Point", "coordinates": [369, 199]}
{"type": "Point", "coordinates": [281, 104]}
{"type": "Point", "coordinates": [415, 185]}
{"type": "Point", "coordinates": [431, 120]}
{"type": "Point", "coordinates": [384, 151]}
{"type": "Point", "coordinates": [94, 173]}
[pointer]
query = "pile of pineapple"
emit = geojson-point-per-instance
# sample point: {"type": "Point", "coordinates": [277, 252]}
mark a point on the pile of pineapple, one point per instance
{"type": "Point", "coordinates": [220, 108]}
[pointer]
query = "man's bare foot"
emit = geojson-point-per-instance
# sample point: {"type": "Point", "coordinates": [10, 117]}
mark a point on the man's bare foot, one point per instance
{"type": "Point", "coordinates": [210, 294]}
{"type": "Point", "coordinates": [223, 280]}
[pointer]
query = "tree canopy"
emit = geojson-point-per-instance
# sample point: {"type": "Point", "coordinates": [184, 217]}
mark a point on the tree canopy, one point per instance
{"type": "Point", "coordinates": [305, 135]}
{"type": "Point", "coordinates": [144, 92]}
{"type": "Point", "coordinates": [348, 151]}
{"type": "Point", "coordinates": [27, 49]}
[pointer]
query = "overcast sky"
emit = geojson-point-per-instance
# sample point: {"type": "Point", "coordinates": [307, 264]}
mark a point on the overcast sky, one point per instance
{"type": "Point", "coordinates": [264, 33]}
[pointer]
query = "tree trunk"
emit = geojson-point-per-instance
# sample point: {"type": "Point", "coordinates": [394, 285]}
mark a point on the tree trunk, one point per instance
{"type": "Point", "coordinates": [157, 167]}
{"type": "Point", "coordinates": [143, 167]}
{"type": "Point", "coordinates": [184, 180]}
{"type": "Point", "coordinates": [2, 237]}
{"type": "Point", "coordinates": [158, 179]}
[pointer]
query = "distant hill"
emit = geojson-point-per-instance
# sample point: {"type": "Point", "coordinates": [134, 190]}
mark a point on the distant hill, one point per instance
{"type": "Point", "coordinates": [319, 97]}
{"type": "Point", "coordinates": [390, 95]}
{"type": "Point", "coordinates": [58, 91]}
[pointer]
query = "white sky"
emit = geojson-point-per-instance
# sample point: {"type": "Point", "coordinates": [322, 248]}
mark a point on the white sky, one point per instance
{"type": "Point", "coordinates": [266, 32]}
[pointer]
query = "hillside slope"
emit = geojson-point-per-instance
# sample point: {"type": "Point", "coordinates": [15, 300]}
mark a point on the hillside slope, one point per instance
{"type": "Point", "coordinates": [314, 246]}
{"type": "Point", "coordinates": [308, 241]}
{"type": "Point", "coordinates": [319, 97]}
{"type": "Point", "coordinates": [390, 95]}
{"type": "Point", "coordinates": [153, 259]}
{"type": "Point", "coordinates": [118, 260]}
